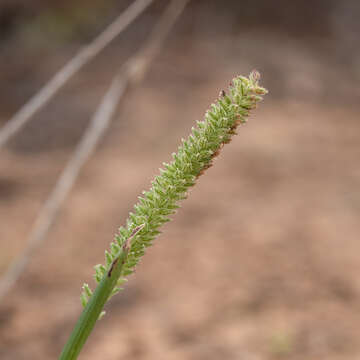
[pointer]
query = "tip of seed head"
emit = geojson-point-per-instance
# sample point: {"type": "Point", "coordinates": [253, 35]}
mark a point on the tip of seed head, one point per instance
{"type": "Point", "coordinates": [254, 76]}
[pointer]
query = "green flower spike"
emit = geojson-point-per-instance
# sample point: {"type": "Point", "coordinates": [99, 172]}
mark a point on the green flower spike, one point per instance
{"type": "Point", "coordinates": [194, 156]}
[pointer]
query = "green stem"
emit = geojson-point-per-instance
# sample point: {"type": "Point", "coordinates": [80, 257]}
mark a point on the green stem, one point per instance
{"type": "Point", "coordinates": [94, 307]}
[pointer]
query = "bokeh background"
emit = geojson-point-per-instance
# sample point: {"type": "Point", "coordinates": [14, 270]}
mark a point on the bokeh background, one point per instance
{"type": "Point", "coordinates": [262, 260]}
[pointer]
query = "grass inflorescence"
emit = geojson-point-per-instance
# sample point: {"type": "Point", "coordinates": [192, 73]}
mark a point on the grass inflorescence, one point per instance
{"type": "Point", "coordinates": [194, 156]}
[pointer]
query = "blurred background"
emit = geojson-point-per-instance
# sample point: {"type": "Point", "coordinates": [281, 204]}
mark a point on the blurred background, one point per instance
{"type": "Point", "coordinates": [262, 260]}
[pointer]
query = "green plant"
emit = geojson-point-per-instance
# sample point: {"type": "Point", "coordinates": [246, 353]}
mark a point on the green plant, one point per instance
{"type": "Point", "coordinates": [194, 156]}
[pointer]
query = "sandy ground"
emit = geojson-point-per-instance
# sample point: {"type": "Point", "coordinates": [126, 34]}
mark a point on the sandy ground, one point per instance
{"type": "Point", "coordinates": [261, 261]}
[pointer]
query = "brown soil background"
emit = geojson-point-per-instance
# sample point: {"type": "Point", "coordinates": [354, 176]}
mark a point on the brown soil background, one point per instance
{"type": "Point", "coordinates": [262, 260]}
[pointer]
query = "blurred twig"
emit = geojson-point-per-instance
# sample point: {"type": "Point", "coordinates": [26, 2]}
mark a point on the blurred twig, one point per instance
{"type": "Point", "coordinates": [85, 54]}
{"type": "Point", "coordinates": [132, 71]}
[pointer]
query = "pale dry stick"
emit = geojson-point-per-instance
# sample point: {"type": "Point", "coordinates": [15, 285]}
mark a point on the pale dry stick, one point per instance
{"type": "Point", "coordinates": [132, 71]}
{"type": "Point", "coordinates": [50, 209]}
{"type": "Point", "coordinates": [42, 97]}
{"type": "Point", "coordinates": [139, 64]}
